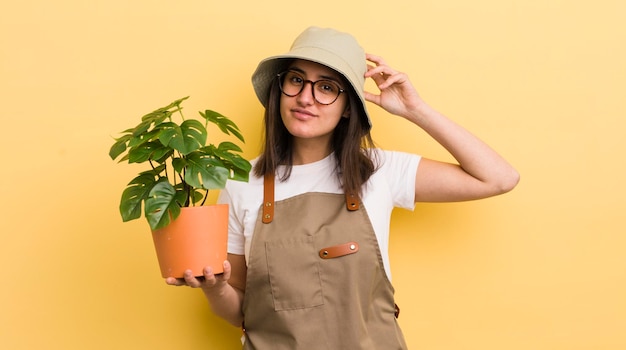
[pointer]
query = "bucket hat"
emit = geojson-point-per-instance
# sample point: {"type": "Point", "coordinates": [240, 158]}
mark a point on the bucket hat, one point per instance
{"type": "Point", "coordinates": [334, 49]}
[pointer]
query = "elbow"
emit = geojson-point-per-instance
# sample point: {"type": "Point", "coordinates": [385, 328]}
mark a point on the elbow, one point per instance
{"type": "Point", "coordinates": [236, 321]}
{"type": "Point", "coordinates": [509, 181]}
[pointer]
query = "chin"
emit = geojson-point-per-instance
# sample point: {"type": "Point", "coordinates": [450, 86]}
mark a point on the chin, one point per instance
{"type": "Point", "coordinates": [302, 134]}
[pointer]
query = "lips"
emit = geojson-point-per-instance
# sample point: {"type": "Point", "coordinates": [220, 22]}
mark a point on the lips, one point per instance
{"type": "Point", "coordinates": [302, 114]}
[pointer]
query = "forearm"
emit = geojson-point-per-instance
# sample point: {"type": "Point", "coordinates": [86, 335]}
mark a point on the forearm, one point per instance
{"type": "Point", "coordinates": [226, 303]}
{"type": "Point", "coordinates": [474, 156]}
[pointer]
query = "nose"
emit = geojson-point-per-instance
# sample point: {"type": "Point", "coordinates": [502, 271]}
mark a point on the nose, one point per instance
{"type": "Point", "coordinates": [305, 96]}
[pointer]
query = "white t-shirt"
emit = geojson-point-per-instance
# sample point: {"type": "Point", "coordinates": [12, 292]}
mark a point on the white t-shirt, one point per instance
{"type": "Point", "coordinates": [392, 185]}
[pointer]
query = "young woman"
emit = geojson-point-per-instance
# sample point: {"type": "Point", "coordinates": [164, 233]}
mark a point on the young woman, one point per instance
{"type": "Point", "coordinates": [308, 234]}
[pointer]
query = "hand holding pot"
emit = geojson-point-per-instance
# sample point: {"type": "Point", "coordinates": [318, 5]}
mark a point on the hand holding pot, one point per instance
{"type": "Point", "coordinates": [224, 291]}
{"type": "Point", "coordinates": [207, 281]}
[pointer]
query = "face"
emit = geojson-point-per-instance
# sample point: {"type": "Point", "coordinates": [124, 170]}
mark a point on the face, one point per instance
{"type": "Point", "coordinates": [304, 117]}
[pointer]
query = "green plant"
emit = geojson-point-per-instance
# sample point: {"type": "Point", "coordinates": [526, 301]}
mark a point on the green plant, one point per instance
{"type": "Point", "coordinates": [183, 168]}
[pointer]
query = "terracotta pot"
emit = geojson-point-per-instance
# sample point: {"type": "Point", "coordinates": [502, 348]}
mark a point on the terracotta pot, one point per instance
{"type": "Point", "coordinates": [197, 238]}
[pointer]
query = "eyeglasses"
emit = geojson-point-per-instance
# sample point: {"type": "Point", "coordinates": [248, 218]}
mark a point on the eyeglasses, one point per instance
{"type": "Point", "coordinates": [324, 91]}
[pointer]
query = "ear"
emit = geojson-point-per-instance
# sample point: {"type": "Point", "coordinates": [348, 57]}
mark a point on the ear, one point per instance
{"type": "Point", "coordinates": [346, 112]}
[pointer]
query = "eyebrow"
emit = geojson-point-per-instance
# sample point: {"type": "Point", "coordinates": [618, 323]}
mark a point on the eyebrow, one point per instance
{"type": "Point", "coordinates": [323, 77]}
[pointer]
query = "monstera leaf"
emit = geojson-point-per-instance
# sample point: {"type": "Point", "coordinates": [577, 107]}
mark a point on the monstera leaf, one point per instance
{"type": "Point", "coordinates": [183, 168]}
{"type": "Point", "coordinates": [161, 205]}
{"type": "Point", "coordinates": [186, 138]}
{"type": "Point", "coordinates": [135, 193]}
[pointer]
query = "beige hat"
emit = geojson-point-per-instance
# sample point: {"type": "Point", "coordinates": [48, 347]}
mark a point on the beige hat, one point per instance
{"type": "Point", "coordinates": [334, 49]}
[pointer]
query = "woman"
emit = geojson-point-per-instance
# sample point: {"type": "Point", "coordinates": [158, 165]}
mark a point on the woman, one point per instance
{"type": "Point", "coordinates": [308, 235]}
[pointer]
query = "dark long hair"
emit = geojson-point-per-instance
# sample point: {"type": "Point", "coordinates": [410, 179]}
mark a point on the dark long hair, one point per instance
{"type": "Point", "coordinates": [351, 141]}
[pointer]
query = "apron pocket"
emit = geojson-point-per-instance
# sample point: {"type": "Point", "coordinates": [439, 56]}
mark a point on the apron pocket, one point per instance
{"type": "Point", "coordinates": [294, 274]}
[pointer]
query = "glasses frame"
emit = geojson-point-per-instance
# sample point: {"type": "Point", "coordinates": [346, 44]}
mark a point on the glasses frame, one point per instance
{"type": "Point", "coordinates": [304, 81]}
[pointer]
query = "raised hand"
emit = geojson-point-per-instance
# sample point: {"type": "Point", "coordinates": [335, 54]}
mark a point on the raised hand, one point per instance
{"type": "Point", "coordinates": [397, 94]}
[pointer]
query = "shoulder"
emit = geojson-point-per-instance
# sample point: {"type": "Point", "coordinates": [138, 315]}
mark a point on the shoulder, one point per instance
{"type": "Point", "coordinates": [241, 191]}
{"type": "Point", "coordinates": [393, 183]}
{"type": "Point", "coordinates": [386, 160]}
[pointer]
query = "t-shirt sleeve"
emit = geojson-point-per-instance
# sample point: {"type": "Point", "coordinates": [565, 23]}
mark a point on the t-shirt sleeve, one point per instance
{"type": "Point", "coordinates": [400, 169]}
{"type": "Point", "coordinates": [236, 240]}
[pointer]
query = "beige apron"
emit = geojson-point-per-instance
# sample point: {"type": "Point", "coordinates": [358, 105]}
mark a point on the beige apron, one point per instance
{"type": "Point", "coordinates": [316, 278]}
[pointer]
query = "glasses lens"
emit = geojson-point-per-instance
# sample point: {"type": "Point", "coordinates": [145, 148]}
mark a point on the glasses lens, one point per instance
{"type": "Point", "coordinates": [291, 83]}
{"type": "Point", "coordinates": [324, 91]}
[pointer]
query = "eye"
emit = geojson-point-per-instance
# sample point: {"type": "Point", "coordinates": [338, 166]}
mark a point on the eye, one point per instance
{"type": "Point", "coordinates": [294, 78]}
{"type": "Point", "coordinates": [327, 87]}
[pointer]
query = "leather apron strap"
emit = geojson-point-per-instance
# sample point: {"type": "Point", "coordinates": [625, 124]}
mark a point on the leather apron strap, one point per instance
{"type": "Point", "coordinates": [268, 198]}
{"type": "Point", "coordinates": [352, 200]}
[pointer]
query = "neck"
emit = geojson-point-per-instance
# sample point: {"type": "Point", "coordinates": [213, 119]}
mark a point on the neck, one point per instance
{"type": "Point", "coordinates": [309, 151]}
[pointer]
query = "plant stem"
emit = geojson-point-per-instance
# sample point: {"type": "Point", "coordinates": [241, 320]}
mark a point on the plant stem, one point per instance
{"type": "Point", "coordinates": [187, 189]}
{"type": "Point", "coordinates": [206, 195]}
{"type": "Point", "coordinates": [151, 165]}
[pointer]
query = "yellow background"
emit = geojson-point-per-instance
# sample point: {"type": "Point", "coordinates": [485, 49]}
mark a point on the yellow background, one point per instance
{"type": "Point", "coordinates": [542, 81]}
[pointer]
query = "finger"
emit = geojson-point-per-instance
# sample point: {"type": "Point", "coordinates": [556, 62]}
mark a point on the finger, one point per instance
{"type": "Point", "coordinates": [191, 280]}
{"type": "Point", "coordinates": [227, 271]}
{"type": "Point", "coordinates": [381, 74]}
{"type": "Point", "coordinates": [375, 59]}
{"type": "Point", "coordinates": [378, 77]}
{"type": "Point", "coordinates": [375, 70]}
{"type": "Point", "coordinates": [210, 279]}
{"type": "Point", "coordinates": [175, 281]}
{"type": "Point", "coordinates": [397, 78]}
{"type": "Point", "coordinates": [380, 63]}
{"type": "Point", "coordinates": [371, 97]}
